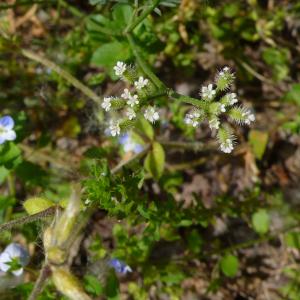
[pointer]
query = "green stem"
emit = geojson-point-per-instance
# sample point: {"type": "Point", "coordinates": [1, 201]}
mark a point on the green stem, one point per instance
{"type": "Point", "coordinates": [19, 3]}
{"type": "Point", "coordinates": [186, 99]}
{"type": "Point", "coordinates": [64, 74]}
{"type": "Point", "coordinates": [196, 146]}
{"type": "Point", "coordinates": [40, 282]}
{"type": "Point", "coordinates": [141, 17]}
{"type": "Point", "coordinates": [143, 64]}
{"type": "Point", "coordinates": [74, 11]}
{"type": "Point", "coordinates": [12, 193]}
{"type": "Point", "coordinates": [28, 219]}
{"type": "Point", "coordinates": [261, 239]}
{"type": "Point", "coordinates": [124, 163]}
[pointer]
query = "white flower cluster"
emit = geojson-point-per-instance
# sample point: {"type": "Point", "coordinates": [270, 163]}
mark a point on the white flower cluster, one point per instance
{"type": "Point", "coordinates": [129, 99]}
{"type": "Point", "coordinates": [227, 146]}
{"type": "Point", "coordinates": [215, 101]}
{"type": "Point", "coordinates": [208, 92]}
{"type": "Point", "coordinates": [192, 118]}
{"type": "Point", "coordinates": [249, 117]}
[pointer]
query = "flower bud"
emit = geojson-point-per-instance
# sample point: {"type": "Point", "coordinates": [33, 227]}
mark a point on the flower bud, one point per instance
{"type": "Point", "coordinates": [68, 284]}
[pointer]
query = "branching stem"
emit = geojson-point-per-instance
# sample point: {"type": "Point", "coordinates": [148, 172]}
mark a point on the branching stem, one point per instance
{"type": "Point", "coordinates": [28, 219]}
{"type": "Point", "coordinates": [63, 73]}
{"type": "Point", "coordinates": [40, 282]}
{"type": "Point", "coordinates": [141, 17]}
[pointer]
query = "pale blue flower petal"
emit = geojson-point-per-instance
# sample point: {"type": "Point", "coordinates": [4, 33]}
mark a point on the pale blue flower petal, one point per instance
{"type": "Point", "coordinates": [119, 266]}
{"type": "Point", "coordinates": [7, 122]}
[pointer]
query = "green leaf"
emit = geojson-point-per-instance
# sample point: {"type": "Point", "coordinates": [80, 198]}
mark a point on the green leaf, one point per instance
{"type": "Point", "coordinates": [112, 286]}
{"type": "Point", "coordinates": [122, 14]}
{"type": "Point", "coordinates": [108, 54]}
{"type": "Point", "coordinates": [294, 94]}
{"type": "Point", "coordinates": [277, 59]}
{"type": "Point", "coordinates": [3, 174]}
{"type": "Point", "coordinates": [195, 241]}
{"type": "Point", "coordinates": [36, 205]}
{"type": "Point", "coordinates": [258, 140]}
{"type": "Point", "coordinates": [93, 285]}
{"type": "Point", "coordinates": [261, 221]}
{"type": "Point", "coordinates": [229, 265]}
{"type": "Point", "coordinates": [292, 239]}
{"type": "Point", "coordinates": [145, 128]}
{"type": "Point", "coordinates": [10, 155]}
{"type": "Point", "coordinates": [155, 160]}
{"type": "Point", "coordinates": [96, 2]}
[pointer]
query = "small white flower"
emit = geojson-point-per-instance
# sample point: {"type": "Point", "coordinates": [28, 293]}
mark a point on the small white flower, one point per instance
{"type": "Point", "coordinates": [222, 108]}
{"type": "Point", "coordinates": [133, 100]}
{"type": "Point", "coordinates": [126, 94]}
{"type": "Point", "coordinates": [106, 104]}
{"type": "Point", "coordinates": [227, 146]}
{"type": "Point", "coordinates": [208, 92]}
{"type": "Point", "coordinates": [130, 113]}
{"type": "Point", "coordinates": [141, 83]}
{"type": "Point", "coordinates": [120, 68]}
{"type": "Point", "coordinates": [249, 117]}
{"type": "Point", "coordinates": [192, 118]}
{"type": "Point", "coordinates": [13, 259]}
{"type": "Point", "coordinates": [214, 124]}
{"type": "Point", "coordinates": [232, 98]}
{"type": "Point", "coordinates": [114, 128]}
{"type": "Point", "coordinates": [226, 69]}
{"type": "Point", "coordinates": [151, 115]}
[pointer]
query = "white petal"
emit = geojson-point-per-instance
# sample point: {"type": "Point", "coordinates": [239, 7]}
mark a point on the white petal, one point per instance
{"type": "Point", "coordinates": [8, 135]}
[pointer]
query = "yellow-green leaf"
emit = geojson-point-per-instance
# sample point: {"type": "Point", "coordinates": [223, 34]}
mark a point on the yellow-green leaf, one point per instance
{"type": "Point", "coordinates": [258, 140]}
{"type": "Point", "coordinates": [145, 128]}
{"type": "Point", "coordinates": [36, 205]}
{"type": "Point", "coordinates": [155, 160]}
{"type": "Point", "coordinates": [229, 265]}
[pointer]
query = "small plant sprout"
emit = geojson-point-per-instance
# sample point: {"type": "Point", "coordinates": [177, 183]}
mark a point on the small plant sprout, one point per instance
{"type": "Point", "coordinates": [120, 68]}
{"type": "Point", "coordinates": [141, 83]}
{"type": "Point", "coordinates": [119, 266]}
{"type": "Point", "coordinates": [6, 129]}
{"type": "Point", "coordinates": [13, 259]}
{"type": "Point", "coordinates": [151, 114]}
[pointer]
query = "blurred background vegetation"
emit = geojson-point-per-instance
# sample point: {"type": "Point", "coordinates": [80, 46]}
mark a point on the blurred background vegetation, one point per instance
{"type": "Point", "coordinates": [213, 226]}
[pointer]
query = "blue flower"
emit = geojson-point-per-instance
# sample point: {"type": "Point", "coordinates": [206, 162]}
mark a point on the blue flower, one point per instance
{"type": "Point", "coordinates": [119, 266]}
{"type": "Point", "coordinates": [13, 259]}
{"type": "Point", "coordinates": [129, 145]}
{"type": "Point", "coordinates": [6, 129]}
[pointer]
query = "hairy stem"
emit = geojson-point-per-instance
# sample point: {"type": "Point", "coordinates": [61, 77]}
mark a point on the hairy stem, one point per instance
{"type": "Point", "coordinates": [261, 239]}
{"type": "Point", "coordinates": [141, 17]}
{"type": "Point", "coordinates": [63, 73]}
{"type": "Point", "coordinates": [40, 282]}
{"type": "Point", "coordinates": [122, 164]}
{"type": "Point", "coordinates": [186, 99]}
{"type": "Point", "coordinates": [142, 63]}
{"type": "Point", "coordinates": [28, 219]}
